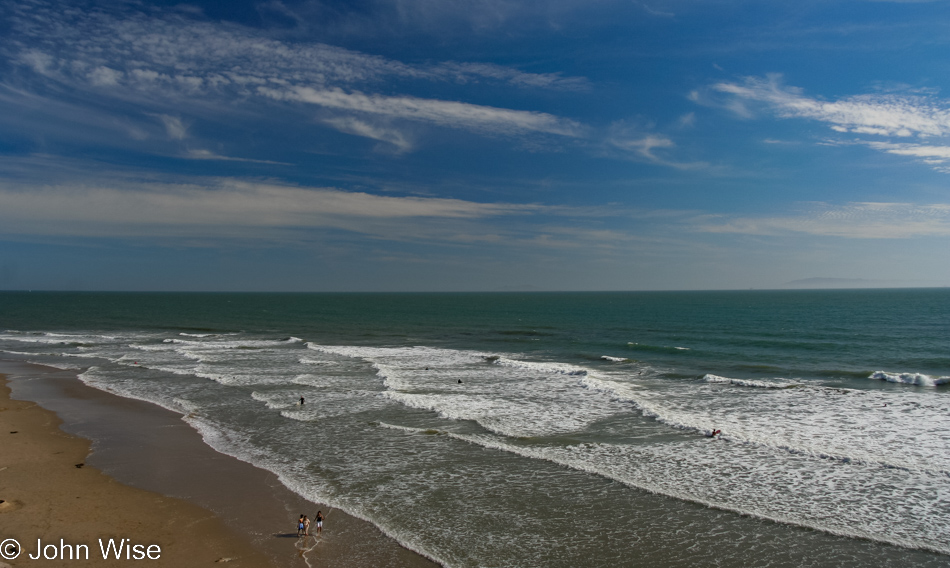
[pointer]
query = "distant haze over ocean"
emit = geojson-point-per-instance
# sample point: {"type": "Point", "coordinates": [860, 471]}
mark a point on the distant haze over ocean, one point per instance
{"type": "Point", "coordinates": [824, 283]}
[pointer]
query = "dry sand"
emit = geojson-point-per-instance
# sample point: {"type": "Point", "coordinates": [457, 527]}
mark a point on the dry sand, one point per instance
{"type": "Point", "coordinates": [49, 493]}
{"type": "Point", "coordinates": [200, 506]}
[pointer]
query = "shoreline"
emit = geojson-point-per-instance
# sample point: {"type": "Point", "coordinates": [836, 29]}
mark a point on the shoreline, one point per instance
{"type": "Point", "coordinates": [50, 493]}
{"type": "Point", "coordinates": [140, 446]}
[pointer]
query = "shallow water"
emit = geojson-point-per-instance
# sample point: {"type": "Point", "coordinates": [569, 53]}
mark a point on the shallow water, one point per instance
{"type": "Point", "coordinates": [557, 429]}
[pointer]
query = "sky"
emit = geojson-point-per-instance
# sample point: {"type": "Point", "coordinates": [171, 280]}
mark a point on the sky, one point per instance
{"type": "Point", "coordinates": [473, 145]}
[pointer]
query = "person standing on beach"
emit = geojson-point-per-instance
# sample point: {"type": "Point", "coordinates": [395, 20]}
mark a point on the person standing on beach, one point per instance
{"type": "Point", "coordinates": [319, 521]}
{"type": "Point", "coordinates": [300, 524]}
{"type": "Point", "coordinates": [306, 526]}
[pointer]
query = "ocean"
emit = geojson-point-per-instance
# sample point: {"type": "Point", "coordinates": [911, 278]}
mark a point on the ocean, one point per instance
{"type": "Point", "coordinates": [556, 429]}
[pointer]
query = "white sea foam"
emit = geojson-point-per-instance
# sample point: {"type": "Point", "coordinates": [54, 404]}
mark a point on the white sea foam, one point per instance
{"type": "Point", "coordinates": [320, 362]}
{"type": "Point", "coordinates": [295, 475]}
{"type": "Point", "coordinates": [830, 423]}
{"type": "Point", "coordinates": [149, 347]}
{"type": "Point", "coordinates": [508, 396]}
{"type": "Point", "coordinates": [543, 367]}
{"type": "Point", "coordinates": [762, 384]}
{"type": "Point", "coordinates": [625, 391]}
{"type": "Point", "coordinates": [910, 378]}
{"type": "Point", "coordinates": [614, 359]}
{"type": "Point", "coordinates": [761, 482]}
{"type": "Point", "coordinates": [97, 378]}
{"type": "Point", "coordinates": [56, 365]}
{"type": "Point", "coordinates": [656, 347]}
{"type": "Point", "coordinates": [782, 447]}
{"type": "Point", "coordinates": [232, 344]}
{"type": "Point", "coordinates": [275, 401]}
{"type": "Point", "coordinates": [58, 339]}
{"type": "Point", "coordinates": [29, 353]}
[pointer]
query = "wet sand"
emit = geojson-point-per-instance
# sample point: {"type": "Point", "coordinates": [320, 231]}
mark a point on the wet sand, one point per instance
{"type": "Point", "coordinates": [201, 506]}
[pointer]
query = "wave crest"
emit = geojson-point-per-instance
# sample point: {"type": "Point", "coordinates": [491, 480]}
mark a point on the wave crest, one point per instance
{"type": "Point", "coordinates": [918, 379]}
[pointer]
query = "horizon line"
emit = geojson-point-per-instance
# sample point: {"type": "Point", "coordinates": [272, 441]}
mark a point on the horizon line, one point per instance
{"type": "Point", "coordinates": [751, 289]}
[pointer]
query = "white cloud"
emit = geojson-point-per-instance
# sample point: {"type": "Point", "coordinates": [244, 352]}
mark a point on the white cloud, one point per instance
{"type": "Point", "coordinates": [853, 220]}
{"type": "Point", "coordinates": [444, 113]}
{"type": "Point", "coordinates": [225, 208]}
{"type": "Point", "coordinates": [471, 72]}
{"type": "Point", "coordinates": [888, 116]}
{"type": "Point", "coordinates": [104, 47]}
{"type": "Point", "coordinates": [220, 210]}
{"type": "Point", "coordinates": [174, 127]}
{"type": "Point", "coordinates": [935, 156]}
{"type": "Point", "coordinates": [920, 151]}
{"type": "Point", "coordinates": [395, 138]}
{"type": "Point", "coordinates": [200, 154]}
{"type": "Point", "coordinates": [165, 61]}
{"type": "Point", "coordinates": [882, 115]}
{"type": "Point", "coordinates": [687, 120]}
{"type": "Point", "coordinates": [36, 60]}
{"type": "Point", "coordinates": [103, 76]}
{"type": "Point", "coordinates": [644, 147]}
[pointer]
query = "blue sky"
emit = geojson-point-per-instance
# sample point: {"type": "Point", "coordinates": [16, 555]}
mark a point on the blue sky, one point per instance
{"type": "Point", "coordinates": [310, 145]}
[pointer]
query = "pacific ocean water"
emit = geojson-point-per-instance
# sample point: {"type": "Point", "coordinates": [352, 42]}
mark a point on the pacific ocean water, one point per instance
{"type": "Point", "coordinates": [556, 429]}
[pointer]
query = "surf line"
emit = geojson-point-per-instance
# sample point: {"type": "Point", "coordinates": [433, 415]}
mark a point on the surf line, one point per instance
{"type": "Point", "coordinates": [304, 550]}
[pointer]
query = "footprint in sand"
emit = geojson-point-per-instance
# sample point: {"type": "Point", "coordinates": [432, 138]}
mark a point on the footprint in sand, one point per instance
{"type": "Point", "coordinates": [7, 506]}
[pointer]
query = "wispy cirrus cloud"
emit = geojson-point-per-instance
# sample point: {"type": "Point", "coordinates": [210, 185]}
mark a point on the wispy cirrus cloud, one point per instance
{"type": "Point", "coordinates": [226, 208]}
{"type": "Point", "coordinates": [892, 116]}
{"type": "Point", "coordinates": [166, 65]}
{"type": "Point", "coordinates": [436, 18]}
{"type": "Point", "coordinates": [645, 148]}
{"type": "Point", "coordinates": [443, 113]}
{"type": "Point", "coordinates": [475, 72]}
{"type": "Point", "coordinates": [886, 115]}
{"type": "Point", "coordinates": [852, 220]}
{"type": "Point", "coordinates": [201, 154]}
{"type": "Point", "coordinates": [645, 145]}
{"type": "Point", "coordinates": [109, 48]}
{"type": "Point", "coordinates": [937, 156]}
{"type": "Point", "coordinates": [174, 127]}
{"type": "Point", "coordinates": [166, 58]}
{"type": "Point", "coordinates": [393, 138]}
{"type": "Point", "coordinates": [221, 210]}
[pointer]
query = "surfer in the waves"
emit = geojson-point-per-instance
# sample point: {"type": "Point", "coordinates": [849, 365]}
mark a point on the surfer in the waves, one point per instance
{"type": "Point", "coordinates": [714, 433]}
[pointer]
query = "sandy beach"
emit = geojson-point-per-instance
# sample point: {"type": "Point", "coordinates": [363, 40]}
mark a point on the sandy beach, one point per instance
{"type": "Point", "coordinates": [49, 493]}
{"type": "Point", "coordinates": [150, 479]}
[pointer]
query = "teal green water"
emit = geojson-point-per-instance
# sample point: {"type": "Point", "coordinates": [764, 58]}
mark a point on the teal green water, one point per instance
{"type": "Point", "coordinates": [479, 429]}
{"type": "Point", "coordinates": [815, 334]}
